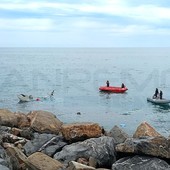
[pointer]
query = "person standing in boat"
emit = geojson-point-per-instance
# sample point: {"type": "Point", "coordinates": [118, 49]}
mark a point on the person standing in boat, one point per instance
{"type": "Point", "coordinates": [107, 83]}
{"type": "Point", "coordinates": [161, 94]}
{"type": "Point", "coordinates": [156, 95]}
{"type": "Point", "coordinates": [122, 86]}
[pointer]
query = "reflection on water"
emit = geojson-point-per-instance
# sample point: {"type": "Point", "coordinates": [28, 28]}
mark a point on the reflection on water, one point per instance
{"type": "Point", "coordinates": [107, 95]}
{"type": "Point", "coordinates": [160, 107]}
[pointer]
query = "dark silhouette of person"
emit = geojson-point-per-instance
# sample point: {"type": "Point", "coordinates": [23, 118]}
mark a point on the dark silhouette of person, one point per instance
{"type": "Point", "coordinates": [122, 86]}
{"type": "Point", "coordinates": [52, 93]}
{"type": "Point", "coordinates": [107, 83]}
{"type": "Point", "coordinates": [156, 93]}
{"type": "Point", "coordinates": [161, 94]}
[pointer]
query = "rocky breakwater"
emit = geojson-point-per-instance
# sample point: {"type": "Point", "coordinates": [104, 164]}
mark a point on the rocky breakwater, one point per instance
{"type": "Point", "coordinates": [40, 141]}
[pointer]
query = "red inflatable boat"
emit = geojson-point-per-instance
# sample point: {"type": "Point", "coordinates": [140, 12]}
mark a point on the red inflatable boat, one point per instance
{"type": "Point", "coordinates": [113, 89]}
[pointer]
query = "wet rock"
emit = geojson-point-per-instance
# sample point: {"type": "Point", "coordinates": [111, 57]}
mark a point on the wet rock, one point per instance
{"type": "Point", "coordinates": [154, 146]}
{"type": "Point", "coordinates": [102, 149]}
{"type": "Point", "coordinates": [8, 118]}
{"type": "Point", "coordinates": [140, 163]}
{"type": "Point", "coordinates": [118, 134]}
{"type": "Point", "coordinates": [44, 122]}
{"type": "Point", "coordinates": [144, 129]}
{"type": "Point", "coordinates": [81, 131]}
{"type": "Point", "coordinates": [40, 161]}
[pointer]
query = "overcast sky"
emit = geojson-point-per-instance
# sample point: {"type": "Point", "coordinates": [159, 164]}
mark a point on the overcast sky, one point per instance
{"type": "Point", "coordinates": [84, 23]}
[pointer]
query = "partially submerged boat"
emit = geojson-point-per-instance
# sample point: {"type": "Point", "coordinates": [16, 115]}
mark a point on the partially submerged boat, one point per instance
{"type": "Point", "coordinates": [25, 98]}
{"type": "Point", "coordinates": [113, 89]}
{"type": "Point", "coordinates": [158, 101]}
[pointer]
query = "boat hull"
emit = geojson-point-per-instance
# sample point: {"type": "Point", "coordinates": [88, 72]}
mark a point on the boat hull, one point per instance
{"type": "Point", "coordinates": [158, 101]}
{"type": "Point", "coordinates": [113, 89]}
{"type": "Point", "coordinates": [24, 98]}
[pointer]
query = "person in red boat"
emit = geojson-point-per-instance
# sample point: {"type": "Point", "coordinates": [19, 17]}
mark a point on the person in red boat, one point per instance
{"type": "Point", "coordinates": [122, 86]}
{"type": "Point", "coordinates": [107, 83]}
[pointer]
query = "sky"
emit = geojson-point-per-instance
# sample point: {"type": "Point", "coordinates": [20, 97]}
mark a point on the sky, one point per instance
{"type": "Point", "coordinates": [84, 23]}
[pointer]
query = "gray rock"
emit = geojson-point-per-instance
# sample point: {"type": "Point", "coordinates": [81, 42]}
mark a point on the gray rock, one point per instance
{"type": "Point", "coordinates": [27, 133]}
{"type": "Point", "coordinates": [153, 146]}
{"type": "Point", "coordinates": [102, 149]}
{"type": "Point", "coordinates": [3, 162]}
{"type": "Point", "coordinates": [2, 152]}
{"type": "Point", "coordinates": [118, 134]}
{"type": "Point", "coordinates": [34, 145]}
{"type": "Point", "coordinates": [55, 146]}
{"type": "Point", "coordinates": [140, 163]}
{"type": "Point", "coordinates": [2, 167]}
{"type": "Point", "coordinates": [39, 143]}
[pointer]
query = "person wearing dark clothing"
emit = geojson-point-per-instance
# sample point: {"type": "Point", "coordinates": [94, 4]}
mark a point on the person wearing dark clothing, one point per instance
{"type": "Point", "coordinates": [161, 94]}
{"type": "Point", "coordinates": [156, 93]}
{"type": "Point", "coordinates": [52, 93]}
{"type": "Point", "coordinates": [107, 83]}
{"type": "Point", "coordinates": [122, 86]}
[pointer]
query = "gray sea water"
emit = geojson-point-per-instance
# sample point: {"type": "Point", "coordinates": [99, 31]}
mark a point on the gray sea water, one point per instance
{"type": "Point", "coordinates": [76, 75]}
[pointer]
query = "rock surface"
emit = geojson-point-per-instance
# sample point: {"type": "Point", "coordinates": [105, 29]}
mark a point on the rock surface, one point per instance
{"type": "Point", "coordinates": [140, 163]}
{"type": "Point", "coordinates": [77, 166]}
{"type": "Point", "coordinates": [118, 134]}
{"type": "Point", "coordinates": [155, 146]}
{"type": "Point", "coordinates": [40, 161]}
{"type": "Point", "coordinates": [8, 118]}
{"type": "Point", "coordinates": [44, 122]}
{"type": "Point", "coordinates": [102, 149]}
{"type": "Point", "coordinates": [144, 129]}
{"type": "Point", "coordinates": [45, 150]}
{"type": "Point", "coordinates": [39, 140]}
{"type": "Point", "coordinates": [81, 131]}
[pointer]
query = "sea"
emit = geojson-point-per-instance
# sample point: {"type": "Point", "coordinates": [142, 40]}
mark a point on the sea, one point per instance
{"type": "Point", "coordinates": [75, 75]}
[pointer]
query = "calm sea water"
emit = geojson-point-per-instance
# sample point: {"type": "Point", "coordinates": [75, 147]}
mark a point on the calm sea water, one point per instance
{"type": "Point", "coordinates": [76, 74]}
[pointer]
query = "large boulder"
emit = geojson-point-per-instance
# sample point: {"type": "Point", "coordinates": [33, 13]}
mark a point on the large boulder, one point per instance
{"type": "Point", "coordinates": [140, 163]}
{"type": "Point", "coordinates": [102, 149]}
{"type": "Point", "coordinates": [23, 120]}
{"type": "Point", "coordinates": [144, 129]}
{"type": "Point", "coordinates": [154, 146]}
{"type": "Point", "coordinates": [35, 144]}
{"type": "Point", "coordinates": [81, 131]}
{"type": "Point", "coordinates": [118, 134]}
{"type": "Point", "coordinates": [44, 122]}
{"type": "Point", "coordinates": [15, 158]}
{"type": "Point", "coordinates": [40, 161]}
{"type": "Point", "coordinates": [8, 118]}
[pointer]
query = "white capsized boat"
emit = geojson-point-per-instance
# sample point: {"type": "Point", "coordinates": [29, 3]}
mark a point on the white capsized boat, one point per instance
{"type": "Point", "coordinates": [25, 98]}
{"type": "Point", "coordinates": [158, 101]}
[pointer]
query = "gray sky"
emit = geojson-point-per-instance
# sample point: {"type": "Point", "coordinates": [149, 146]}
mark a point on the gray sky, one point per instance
{"type": "Point", "coordinates": [84, 23]}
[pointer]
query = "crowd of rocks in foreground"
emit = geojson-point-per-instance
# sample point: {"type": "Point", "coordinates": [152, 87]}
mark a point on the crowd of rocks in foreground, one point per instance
{"type": "Point", "coordinates": [40, 141]}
